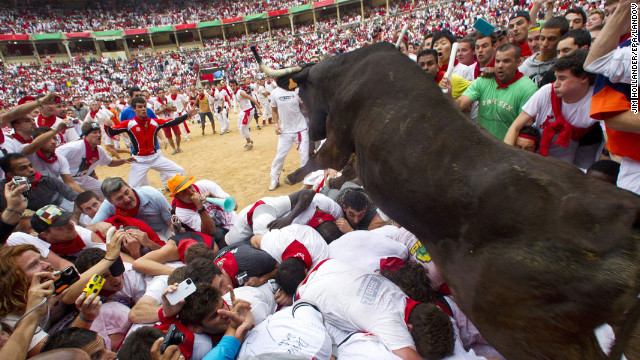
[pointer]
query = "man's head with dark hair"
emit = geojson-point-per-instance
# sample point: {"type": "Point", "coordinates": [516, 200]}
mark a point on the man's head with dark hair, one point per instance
{"type": "Point", "coordinates": [198, 250]}
{"type": "Point", "coordinates": [329, 231]}
{"type": "Point", "coordinates": [39, 131]}
{"type": "Point", "coordinates": [88, 202]}
{"type": "Point", "coordinates": [79, 338]}
{"type": "Point", "coordinates": [428, 61]}
{"type": "Point", "coordinates": [202, 270]}
{"type": "Point", "coordinates": [178, 275]}
{"type": "Point", "coordinates": [134, 91]}
{"type": "Point", "coordinates": [290, 274]}
{"type": "Point", "coordinates": [138, 100]}
{"type": "Point", "coordinates": [7, 161]}
{"type": "Point", "coordinates": [550, 35]}
{"type": "Point", "coordinates": [428, 40]}
{"type": "Point", "coordinates": [577, 18]}
{"type": "Point", "coordinates": [200, 311]}
{"type": "Point", "coordinates": [572, 64]}
{"type": "Point", "coordinates": [442, 42]}
{"type": "Point", "coordinates": [605, 170]}
{"type": "Point", "coordinates": [557, 22]}
{"type": "Point", "coordinates": [413, 279]}
{"type": "Point", "coordinates": [507, 60]}
{"type": "Point", "coordinates": [137, 345]}
{"type": "Point", "coordinates": [519, 24]}
{"type": "Point", "coordinates": [91, 256]}
{"type": "Point", "coordinates": [485, 47]}
{"type": "Point", "coordinates": [355, 205]}
{"type": "Point", "coordinates": [528, 139]}
{"type": "Point", "coordinates": [573, 40]}
{"type": "Point", "coordinates": [432, 331]}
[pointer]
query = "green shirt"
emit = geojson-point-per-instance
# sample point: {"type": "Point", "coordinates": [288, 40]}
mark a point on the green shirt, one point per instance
{"type": "Point", "coordinates": [498, 108]}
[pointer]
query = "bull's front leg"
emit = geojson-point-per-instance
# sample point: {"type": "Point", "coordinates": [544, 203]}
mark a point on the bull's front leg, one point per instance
{"type": "Point", "coordinates": [330, 155]}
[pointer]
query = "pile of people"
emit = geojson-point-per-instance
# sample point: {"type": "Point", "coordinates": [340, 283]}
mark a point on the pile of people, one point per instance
{"type": "Point", "coordinates": [317, 273]}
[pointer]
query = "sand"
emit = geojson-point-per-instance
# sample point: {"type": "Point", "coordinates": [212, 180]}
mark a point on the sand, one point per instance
{"type": "Point", "coordinates": [223, 160]}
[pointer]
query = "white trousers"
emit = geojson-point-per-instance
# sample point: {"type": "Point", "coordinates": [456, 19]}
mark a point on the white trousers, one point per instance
{"type": "Point", "coordinates": [223, 119]}
{"type": "Point", "coordinates": [157, 162]}
{"type": "Point", "coordinates": [244, 128]}
{"type": "Point", "coordinates": [285, 141]}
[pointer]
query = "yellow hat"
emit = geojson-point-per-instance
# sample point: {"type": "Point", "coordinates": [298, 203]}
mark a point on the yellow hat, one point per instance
{"type": "Point", "coordinates": [179, 183]}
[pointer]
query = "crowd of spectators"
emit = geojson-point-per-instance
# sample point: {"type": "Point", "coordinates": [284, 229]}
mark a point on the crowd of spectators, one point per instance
{"type": "Point", "coordinates": [288, 270]}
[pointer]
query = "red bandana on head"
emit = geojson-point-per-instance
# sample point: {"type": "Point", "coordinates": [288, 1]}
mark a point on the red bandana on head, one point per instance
{"type": "Point", "coordinates": [297, 250]}
{"type": "Point", "coordinates": [229, 264]}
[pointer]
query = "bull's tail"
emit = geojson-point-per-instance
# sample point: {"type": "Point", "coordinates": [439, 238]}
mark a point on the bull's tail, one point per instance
{"type": "Point", "coordinates": [272, 72]}
{"type": "Point", "coordinates": [623, 335]}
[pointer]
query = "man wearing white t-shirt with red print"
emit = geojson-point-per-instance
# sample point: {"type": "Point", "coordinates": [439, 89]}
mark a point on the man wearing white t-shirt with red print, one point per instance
{"type": "Point", "coordinates": [366, 249]}
{"type": "Point", "coordinates": [85, 155]}
{"type": "Point", "coordinates": [561, 112]}
{"type": "Point", "coordinates": [200, 215]}
{"type": "Point", "coordinates": [291, 127]}
{"type": "Point", "coordinates": [369, 302]}
{"type": "Point", "coordinates": [51, 115]}
{"type": "Point", "coordinates": [268, 213]}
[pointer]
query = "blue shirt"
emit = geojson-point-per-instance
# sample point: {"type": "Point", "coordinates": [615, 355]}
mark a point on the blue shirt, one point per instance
{"type": "Point", "coordinates": [227, 349]}
{"type": "Point", "coordinates": [154, 209]}
{"type": "Point", "coordinates": [128, 114]}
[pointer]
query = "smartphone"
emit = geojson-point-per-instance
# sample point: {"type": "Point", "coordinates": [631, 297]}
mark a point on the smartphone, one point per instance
{"type": "Point", "coordinates": [484, 27]}
{"type": "Point", "coordinates": [173, 337]}
{"type": "Point", "coordinates": [65, 278]}
{"type": "Point", "coordinates": [94, 285]}
{"type": "Point", "coordinates": [185, 288]}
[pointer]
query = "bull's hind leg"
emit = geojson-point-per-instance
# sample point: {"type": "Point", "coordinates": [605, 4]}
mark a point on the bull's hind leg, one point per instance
{"type": "Point", "coordinates": [331, 155]}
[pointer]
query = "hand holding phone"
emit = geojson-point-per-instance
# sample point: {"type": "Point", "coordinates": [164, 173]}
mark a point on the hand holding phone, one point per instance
{"type": "Point", "coordinates": [184, 289]}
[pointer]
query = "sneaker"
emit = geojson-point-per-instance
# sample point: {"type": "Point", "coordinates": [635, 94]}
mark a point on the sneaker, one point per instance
{"type": "Point", "coordinates": [174, 152]}
{"type": "Point", "coordinates": [247, 147]}
{"type": "Point", "coordinates": [188, 139]}
{"type": "Point", "coordinates": [258, 126]}
{"type": "Point", "coordinates": [274, 184]}
{"type": "Point", "coordinates": [228, 131]}
{"type": "Point", "coordinates": [179, 150]}
{"type": "Point", "coordinates": [222, 132]}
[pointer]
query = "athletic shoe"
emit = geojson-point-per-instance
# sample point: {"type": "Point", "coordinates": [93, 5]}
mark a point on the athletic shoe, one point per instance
{"type": "Point", "coordinates": [174, 152]}
{"type": "Point", "coordinates": [179, 150]}
{"type": "Point", "coordinates": [187, 137]}
{"type": "Point", "coordinates": [228, 131]}
{"type": "Point", "coordinates": [247, 147]}
{"type": "Point", "coordinates": [258, 126]}
{"type": "Point", "coordinates": [274, 184]}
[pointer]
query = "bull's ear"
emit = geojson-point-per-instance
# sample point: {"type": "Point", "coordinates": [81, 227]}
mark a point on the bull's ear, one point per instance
{"type": "Point", "coordinates": [292, 81]}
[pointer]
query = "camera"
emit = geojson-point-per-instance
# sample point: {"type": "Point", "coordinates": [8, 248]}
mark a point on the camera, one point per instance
{"type": "Point", "coordinates": [173, 337]}
{"type": "Point", "coordinates": [21, 180]}
{"type": "Point", "coordinates": [65, 278]}
{"type": "Point", "coordinates": [242, 278]}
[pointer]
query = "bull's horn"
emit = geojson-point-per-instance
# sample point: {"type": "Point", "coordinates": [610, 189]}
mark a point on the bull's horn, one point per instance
{"type": "Point", "coordinates": [401, 36]}
{"type": "Point", "coordinates": [273, 72]}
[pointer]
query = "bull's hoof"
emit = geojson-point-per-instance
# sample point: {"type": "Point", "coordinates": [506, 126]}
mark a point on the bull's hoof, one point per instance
{"type": "Point", "coordinates": [288, 181]}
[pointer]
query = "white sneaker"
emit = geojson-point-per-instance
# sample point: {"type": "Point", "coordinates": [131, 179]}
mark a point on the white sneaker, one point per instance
{"type": "Point", "coordinates": [274, 184]}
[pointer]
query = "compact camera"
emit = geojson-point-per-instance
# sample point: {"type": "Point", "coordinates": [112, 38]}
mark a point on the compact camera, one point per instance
{"type": "Point", "coordinates": [21, 180]}
{"type": "Point", "coordinates": [65, 278]}
{"type": "Point", "coordinates": [173, 337]}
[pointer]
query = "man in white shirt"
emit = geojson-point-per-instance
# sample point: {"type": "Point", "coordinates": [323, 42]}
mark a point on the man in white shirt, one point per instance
{"type": "Point", "coordinates": [178, 105]}
{"type": "Point", "coordinates": [291, 127]}
{"type": "Point", "coordinates": [87, 154]}
{"type": "Point", "coordinates": [221, 108]}
{"type": "Point", "coordinates": [104, 117]}
{"type": "Point", "coordinates": [561, 112]}
{"type": "Point", "coordinates": [371, 303]}
{"type": "Point", "coordinates": [263, 98]}
{"type": "Point", "coordinates": [51, 114]}
{"type": "Point", "coordinates": [248, 107]}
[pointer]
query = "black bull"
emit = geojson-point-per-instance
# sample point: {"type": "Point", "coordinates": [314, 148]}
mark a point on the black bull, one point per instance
{"type": "Point", "coordinates": [536, 253]}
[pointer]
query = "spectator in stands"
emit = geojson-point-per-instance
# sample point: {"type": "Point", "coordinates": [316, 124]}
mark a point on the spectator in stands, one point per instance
{"type": "Point", "coordinates": [537, 64]}
{"type": "Point", "coordinates": [577, 18]}
{"type": "Point", "coordinates": [501, 98]}
{"type": "Point", "coordinates": [519, 24]}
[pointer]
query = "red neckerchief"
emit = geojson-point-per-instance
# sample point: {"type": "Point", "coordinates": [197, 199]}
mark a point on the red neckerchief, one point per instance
{"type": "Point", "coordinates": [69, 248]}
{"type": "Point", "coordinates": [46, 121]}
{"type": "Point", "coordinates": [250, 213]}
{"type": "Point", "coordinates": [20, 139]}
{"type": "Point", "coordinates": [515, 78]}
{"type": "Point", "coordinates": [476, 69]}
{"type": "Point", "coordinates": [297, 250]}
{"type": "Point", "coordinates": [142, 122]}
{"type": "Point", "coordinates": [391, 263]}
{"type": "Point", "coordinates": [37, 180]}
{"type": "Point", "coordinates": [93, 155]}
{"type": "Point", "coordinates": [174, 97]}
{"type": "Point", "coordinates": [93, 113]}
{"type": "Point", "coordinates": [130, 212]}
{"type": "Point", "coordinates": [162, 100]}
{"type": "Point", "coordinates": [123, 103]}
{"type": "Point", "coordinates": [48, 160]}
{"type": "Point", "coordinates": [445, 67]}
{"type": "Point", "coordinates": [229, 264]}
{"type": "Point", "coordinates": [566, 132]}
{"type": "Point", "coordinates": [439, 77]}
{"type": "Point", "coordinates": [201, 96]}
{"type": "Point", "coordinates": [411, 304]}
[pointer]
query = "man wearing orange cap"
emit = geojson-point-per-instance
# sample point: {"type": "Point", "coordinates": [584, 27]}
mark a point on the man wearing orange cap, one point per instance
{"type": "Point", "coordinates": [195, 212]}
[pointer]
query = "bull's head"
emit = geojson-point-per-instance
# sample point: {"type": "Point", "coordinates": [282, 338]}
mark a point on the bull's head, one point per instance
{"type": "Point", "coordinates": [299, 77]}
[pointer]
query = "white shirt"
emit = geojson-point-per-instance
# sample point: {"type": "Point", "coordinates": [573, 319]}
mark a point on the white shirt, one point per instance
{"type": "Point", "coordinates": [103, 116]}
{"type": "Point", "coordinates": [299, 332]}
{"type": "Point", "coordinates": [261, 299]}
{"type": "Point", "coordinates": [320, 202]}
{"type": "Point", "coordinates": [368, 302]}
{"type": "Point", "coordinates": [576, 114]}
{"type": "Point", "coordinates": [76, 154]}
{"type": "Point", "coordinates": [418, 253]}
{"type": "Point", "coordinates": [277, 241]}
{"type": "Point", "coordinates": [288, 104]}
{"type": "Point", "coordinates": [365, 249]}
{"type": "Point", "coordinates": [134, 286]}
{"type": "Point", "coordinates": [241, 231]}
{"type": "Point", "coordinates": [20, 238]}
{"type": "Point", "coordinates": [179, 103]}
{"type": "Point", "coordinates": [54, 169]}
{"type": "Point", "coordinates": [243, 103]}
{"type": "Point", "coordinates": [220, 217]}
